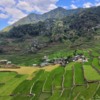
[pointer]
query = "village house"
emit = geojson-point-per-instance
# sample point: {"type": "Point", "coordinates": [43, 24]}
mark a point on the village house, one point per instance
{"type": "Point", "coordinates": [80, 58]}
{"type": "Point", "coordinates": [63, 61]}
{"type": "Point", "coordinates": [4, 62]}
{"type": "Point", "coordinates": [7, 64]}
{"type": "Point", "coordinates": [45, 62]}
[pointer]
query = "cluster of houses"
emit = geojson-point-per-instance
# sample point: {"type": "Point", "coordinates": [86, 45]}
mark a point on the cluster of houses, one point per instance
{"type": "Point", "coordinates": [46, 61]}
{"type": "Point", "coordinates": [7, 64]}
{"type": "Point", "coordinates": [62, 61]}
{"type": "Point", "coordinates": [80, 58]}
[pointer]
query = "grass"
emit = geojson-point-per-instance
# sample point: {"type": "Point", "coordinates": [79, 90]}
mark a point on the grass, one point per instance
{"type": "Point", "coordinates": [37, 89]}
{"type": "Point", "coordinates": [55, 95]}
{"type": "Point", "coordinates": [62, 53]}
{"type": "Point", "coordinates": [88, 93]}
{"type": "Point", "coordinates": [79, 77]}
{"type": "Point", "coordinates": [95, 54]}
{"type": "Point", "coordinates": [43, 79]}
{"type": "Point", "coordinates": [69, 66]}
{"type": "Point", "coordinates": [26, 86]}
{"type": "Point", "coordinates": [65, 95]}
{"type": "Point", "coordinates": [30, 70]}
{"type": "Point", "coordinates": [54, 76]}
{"type": "Point", "coordinates": [23, 60]}
{"type": "Point", "coordinates": [76, 91]}
{"type": "Point", "coordinates": [84, 92]}
{"type": "Point", "coordinates": [44, 96]}
{"type": "Point", "coordinates": [68, 82]}
{"type": "Point", "coordinates": [86, 53]}
{"type": "Point", "coordinates": [8, 75]}
{"type": "Point", "coordinates": [20, 87]}
{"type": "Point", "coordinates": [10, 86]}
{"type": "Point", "coordinates": [28, 59]}
{"type": "Point", "coordinates": [68, 77]}
{"type": "Point", "coordinates": [38, 86]}
{"type": "Point", "coordinates": [48, 82]}
{"type": "Point", "coordinates": [90, 73]}
{"type": "Point", "coordinates": [58, 76]}
{"type": "Point", "coordinates": [97, 95]}
{"type": "Point", "coordinates": [95, 63]}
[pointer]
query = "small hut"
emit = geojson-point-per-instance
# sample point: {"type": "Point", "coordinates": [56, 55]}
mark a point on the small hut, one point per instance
{"type": "Point", "coordinates": [3, 62]}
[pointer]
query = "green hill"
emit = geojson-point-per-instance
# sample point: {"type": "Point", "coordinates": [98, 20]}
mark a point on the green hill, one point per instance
{"type": "Point", "coordinates": [34, 18]}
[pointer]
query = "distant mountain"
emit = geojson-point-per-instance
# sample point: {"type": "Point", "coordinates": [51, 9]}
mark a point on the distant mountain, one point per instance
{"type": "Point", "coordinates": [79, 25]}
{"type": "Point", "coordinates": [57, 13]}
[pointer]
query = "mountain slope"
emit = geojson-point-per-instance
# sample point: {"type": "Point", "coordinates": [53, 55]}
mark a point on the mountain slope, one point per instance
{"type": "Point", "coordinates": [81, 27]}
{"type": "Point", "coordinates": [57, 13]}
{"type": "Point", "coordinates": [80, 24]}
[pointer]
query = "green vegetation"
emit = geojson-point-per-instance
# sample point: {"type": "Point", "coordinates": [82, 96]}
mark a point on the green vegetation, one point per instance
{"type": "Point", "coordinates": [96, 64]}
{"type": "Point", "coordinates": [88, 92]}
{"type": "Point", "coordinates": [9, 85]}
{"type": "Point", "coordinates": [79, 77]}
{"type": "Point", "coordinates": [61, 36]}
{"type": "Point", "coordinates": [57, 80]}
{"type": "Point", "coordinates": [90, 73]}
{"type": "Point", "coordinates": [55, 95]}
{"type": "Point", "coordinates": [84, 92]}
{"type": "Point", "coordinates": [57, 84]}
{"type": "Point", "coordinates": [66, 94]}
{"type": "Point", "coordinates": [68, 82]}
{"type": "Point", "coordinates": [97, 93]}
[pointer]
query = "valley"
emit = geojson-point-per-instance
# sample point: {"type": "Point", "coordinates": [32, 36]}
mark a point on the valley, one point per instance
{"type": "Point", "coordinates": [52, 56]}
{"type": "Point", "coordinates": [75, 81]}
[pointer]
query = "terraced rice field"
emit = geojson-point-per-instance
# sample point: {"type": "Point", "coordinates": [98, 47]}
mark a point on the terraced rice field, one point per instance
{"type": "Point", "coordinates": [90, 73]}
{"type": "Point", "coordinates": [78, 74]}
{"type": "Point", "coordinates": [76, 81]}
{"type": "Point", "coordinates": [96, 63]}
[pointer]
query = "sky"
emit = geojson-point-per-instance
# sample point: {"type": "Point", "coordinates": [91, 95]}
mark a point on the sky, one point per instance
{"type": "Point", "coordinates": [13, 10]}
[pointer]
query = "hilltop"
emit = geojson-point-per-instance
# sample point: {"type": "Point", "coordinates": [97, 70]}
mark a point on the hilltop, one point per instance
{"type": "Point", "coordinates": [32, 18]}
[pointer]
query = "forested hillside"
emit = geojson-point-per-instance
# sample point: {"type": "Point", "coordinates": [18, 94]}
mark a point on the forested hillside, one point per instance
{"type": "Point", "coordinates": [80, 28]}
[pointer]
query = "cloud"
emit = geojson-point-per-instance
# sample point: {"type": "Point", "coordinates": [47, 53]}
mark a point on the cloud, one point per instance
{"type": "Point", "coordinates": [73, 6]}
{"type": "Point", "coordinates": [87, 5]}
{"type": "Point", "coordinates": [3, 16]}
{"type": "Point", "coordinates": [7, 3]}
{"type": "Point", "coordinates": [1, 9]}
{"type": "Point", "coordinates": [17, 9]}
{"type": "Point", "coordinates": [65, 7]}
{"type": "Point", "coordinates": [23, 5]}
{"type": "Point", "coordinates": [14, 14]}
{"type": "Point", "coordinates": [42, 6]}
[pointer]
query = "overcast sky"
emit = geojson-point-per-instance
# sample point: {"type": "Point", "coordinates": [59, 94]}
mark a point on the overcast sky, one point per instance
{"type": "Point", "coordinates": [12, 10]}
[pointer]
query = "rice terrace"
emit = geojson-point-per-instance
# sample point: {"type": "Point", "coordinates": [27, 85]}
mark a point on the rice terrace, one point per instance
{"type": "Point", "coordinates": [49, 49]}
{"type": "Point", "coordinates": [75, 81]}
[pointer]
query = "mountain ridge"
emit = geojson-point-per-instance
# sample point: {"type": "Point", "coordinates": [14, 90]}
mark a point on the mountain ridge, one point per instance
{"type": "Point", "coordinates": [81, 27]}
{"type": "Point", "coordinates": [32, 18]}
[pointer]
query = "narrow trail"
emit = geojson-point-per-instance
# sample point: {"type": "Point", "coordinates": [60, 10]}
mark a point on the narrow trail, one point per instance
{"type": "Point", "coordinates": [96, 89]}
{"type": "Point", "coordinates": [33, 86]}
{"type": "Point", "coordinates": [45, 83]}
{"type": "Point", "coordinates": [63, 80]}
